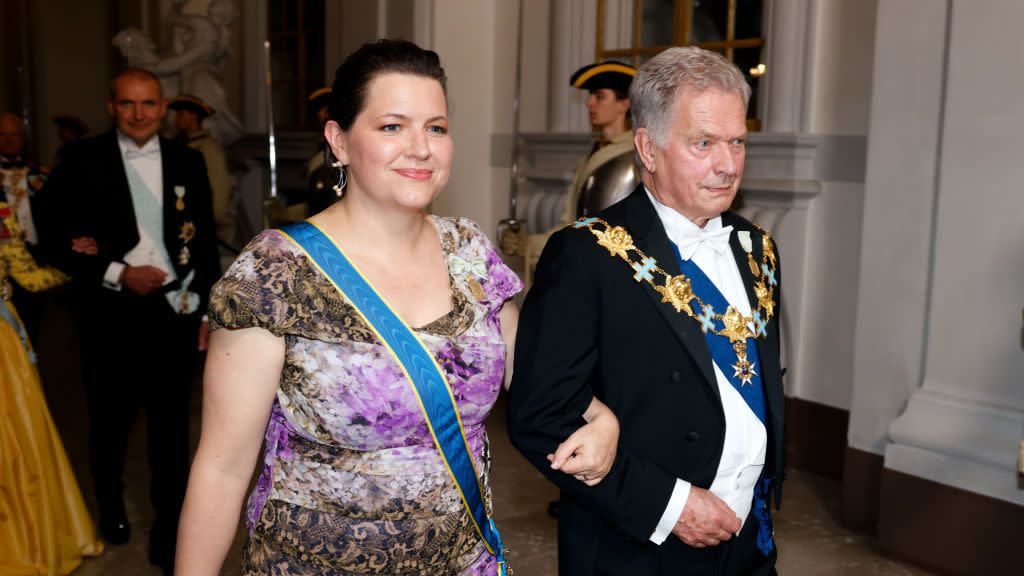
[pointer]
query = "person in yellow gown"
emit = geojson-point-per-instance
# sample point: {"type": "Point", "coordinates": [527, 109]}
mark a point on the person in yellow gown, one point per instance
{"type": "Point", "coordinates": [45, 528]}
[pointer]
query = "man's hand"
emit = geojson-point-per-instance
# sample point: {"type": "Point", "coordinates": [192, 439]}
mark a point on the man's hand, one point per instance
{"type": "Point", "coordinates": [142, 279]}
{"type": "Point", "coordinates": [85, 245]}
{"type": "Point", "coordinates": [706, 520]}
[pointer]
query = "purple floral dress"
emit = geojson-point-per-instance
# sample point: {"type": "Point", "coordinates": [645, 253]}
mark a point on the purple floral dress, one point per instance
{"type": "Point", "coordinates": [352, 482]}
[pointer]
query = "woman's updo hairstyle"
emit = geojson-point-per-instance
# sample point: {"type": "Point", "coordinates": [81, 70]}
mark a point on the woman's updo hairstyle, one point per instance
{"type": "Point", "coordinates": [353, 77]}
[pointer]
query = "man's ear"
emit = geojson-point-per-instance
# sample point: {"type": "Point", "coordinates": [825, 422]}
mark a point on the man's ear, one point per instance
{"type": "Point", "coordinates": [645, 149]}
{"type": "Point", "coordinates": [337, 140]}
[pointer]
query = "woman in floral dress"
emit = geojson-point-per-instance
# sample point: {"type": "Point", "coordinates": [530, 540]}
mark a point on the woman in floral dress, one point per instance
{"type": "Point", "coordinates": [350, 480]}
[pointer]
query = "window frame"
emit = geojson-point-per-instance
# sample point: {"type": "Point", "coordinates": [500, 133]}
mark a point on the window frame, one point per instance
{"type": "Point", "coordinates": [680, 37]}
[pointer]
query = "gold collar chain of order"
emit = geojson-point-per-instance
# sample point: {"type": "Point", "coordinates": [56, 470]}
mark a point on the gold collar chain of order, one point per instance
{"type": "Point", "coordinates": [678, 291]}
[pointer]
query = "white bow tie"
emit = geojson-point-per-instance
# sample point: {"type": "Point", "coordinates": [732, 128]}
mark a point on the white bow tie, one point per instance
{"type": "Point", "coordinates": [144, 152]}
{"type": "Point", "coordinates": [690, 240]}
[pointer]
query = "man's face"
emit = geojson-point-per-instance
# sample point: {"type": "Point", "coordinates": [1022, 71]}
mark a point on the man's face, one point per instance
{"type": "Point", "coordinates": [137, 107]}
{"type": "Point", "coordinates": [605, 107]}
{"type": "Point", "coordinates": [698, 170]}
{"type": "Point", "coordinates": [12, 136]}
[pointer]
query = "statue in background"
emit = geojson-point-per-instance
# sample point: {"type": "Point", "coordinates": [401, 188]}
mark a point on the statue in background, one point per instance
{"type": "Point", "coordinates": [196, 64]}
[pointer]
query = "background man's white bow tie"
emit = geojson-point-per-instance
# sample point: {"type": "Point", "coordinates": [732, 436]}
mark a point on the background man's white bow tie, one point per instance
{"type": "Point", "coordinates": [717, 240]}
{"type": "Point", "coordinates": [144, 152]}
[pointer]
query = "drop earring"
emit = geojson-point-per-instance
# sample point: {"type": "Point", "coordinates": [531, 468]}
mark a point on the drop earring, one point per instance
{"type": "Point", "coordinates": [339, 188]}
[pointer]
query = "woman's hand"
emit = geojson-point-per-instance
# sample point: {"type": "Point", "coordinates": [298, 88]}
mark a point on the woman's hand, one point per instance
{"type": "Point", "coordinates": [589, 452]}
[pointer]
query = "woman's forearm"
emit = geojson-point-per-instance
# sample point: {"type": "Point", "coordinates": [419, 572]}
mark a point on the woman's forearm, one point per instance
{"type": "Point", "coordinates": [239, 386]}
{"type": "Point", "coordinates": [209, 518]}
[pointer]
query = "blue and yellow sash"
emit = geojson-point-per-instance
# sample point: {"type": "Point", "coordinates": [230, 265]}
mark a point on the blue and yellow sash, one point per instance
{"type": "Point", "coordinates": [723, 354]}
{"type": "Point", "coordinates": [417, 363]}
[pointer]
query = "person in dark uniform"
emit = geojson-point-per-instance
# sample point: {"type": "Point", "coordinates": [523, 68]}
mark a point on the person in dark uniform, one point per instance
{"type": "Point", "coordinates": [594, 187]}
{"type": "Point", "coordinates": [145, 203]}
{"type": "Point", "coordinates": [607, 174]}
{"type": "Point", "coordinates": [69, 129]}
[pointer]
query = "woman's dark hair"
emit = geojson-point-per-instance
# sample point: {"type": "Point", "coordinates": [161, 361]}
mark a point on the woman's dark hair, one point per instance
{"type": "Point", "coordinates": [353, 77]}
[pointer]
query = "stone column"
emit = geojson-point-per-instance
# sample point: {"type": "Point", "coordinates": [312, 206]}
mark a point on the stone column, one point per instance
{"type": "Point", "coordinates": [962, 426]}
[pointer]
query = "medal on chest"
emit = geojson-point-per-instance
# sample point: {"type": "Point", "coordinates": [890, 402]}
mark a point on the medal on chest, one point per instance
{"type": "Point", "coordinates": [179, 204]}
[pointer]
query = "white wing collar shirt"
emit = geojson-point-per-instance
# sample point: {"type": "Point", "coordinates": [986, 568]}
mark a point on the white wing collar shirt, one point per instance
{"type": "Point", "coordinates": [144, 169]}
{"type": "Point", "coordinates": [746, 439]}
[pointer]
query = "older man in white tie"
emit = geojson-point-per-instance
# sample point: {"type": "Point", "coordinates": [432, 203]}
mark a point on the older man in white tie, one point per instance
{"type": "Point", "coordinates": [664, 306]}
{"type": "Point", "coordinates": [146, 204]}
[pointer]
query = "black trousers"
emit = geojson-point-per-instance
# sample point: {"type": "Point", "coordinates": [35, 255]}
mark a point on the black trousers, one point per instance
{"type": "Point", "coordinates": [607, 552]}
{"type": "Point", "coordinates": [138, 355]}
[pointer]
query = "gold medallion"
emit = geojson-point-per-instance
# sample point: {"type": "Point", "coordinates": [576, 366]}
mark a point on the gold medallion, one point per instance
{"type": "Point", "coordinates": [678, 292]}
{"type": "Point", "coordinates": [736, 329]}
{"type": "Point", "coordinates": [754, 269]}
{"type": "Point", "coordinates": [764, 300]}
{"type": "Point", "coordinates": [743, 369]}
{"type": "Point", "coordinates": [179, 191]}
{"type": "Point", "coordinates": [188, 231]}
{"type": "Point", "coordinates": [616, 240]}
{"type": "Point", "coordinates": [476, 289]}
{"type": "Point", "coordinates": [769, 252]}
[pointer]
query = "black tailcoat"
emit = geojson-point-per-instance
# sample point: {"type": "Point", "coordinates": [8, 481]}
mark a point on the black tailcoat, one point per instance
{"type": "Point", "coordinates": [588, 329]}
{"type": "Point", "coordinates": [91, 192]}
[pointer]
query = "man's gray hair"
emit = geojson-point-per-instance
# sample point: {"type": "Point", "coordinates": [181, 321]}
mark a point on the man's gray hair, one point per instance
{"type": "Point", "coordinates": [660, 80]}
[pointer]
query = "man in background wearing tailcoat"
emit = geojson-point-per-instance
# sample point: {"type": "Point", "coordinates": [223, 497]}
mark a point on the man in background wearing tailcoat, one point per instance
{"type": "Point", "coordinates": [144, 203]}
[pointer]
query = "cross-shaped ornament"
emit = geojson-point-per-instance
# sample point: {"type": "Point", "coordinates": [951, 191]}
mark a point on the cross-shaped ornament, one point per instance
{"type": "Point", "coordinates": [643, 269]}
{"type": "Point", "coordinates": [706, 319]}
{"type": "Point", "coordinates": [759, 325]}
{"type": "Point", "coordinates": [744, 370]}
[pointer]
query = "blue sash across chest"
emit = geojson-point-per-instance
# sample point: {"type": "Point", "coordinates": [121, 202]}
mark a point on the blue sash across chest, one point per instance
{"type": "Point", "coordinates": [752, 391]}
{"type": "Point", "coordinates": [427, 379]}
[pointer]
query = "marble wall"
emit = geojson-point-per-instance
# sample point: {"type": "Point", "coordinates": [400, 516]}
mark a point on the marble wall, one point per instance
{"type": "Point", "coordinates": [937, 385]}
